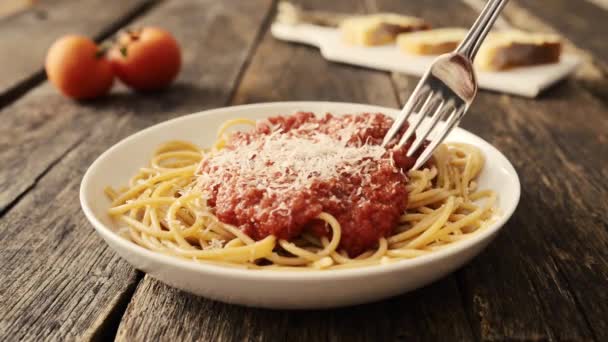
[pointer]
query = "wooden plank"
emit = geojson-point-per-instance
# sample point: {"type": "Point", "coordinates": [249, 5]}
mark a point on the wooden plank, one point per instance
{"type": "Point", "coordinates": [280, 71]}
{"type": "Point", "coordinates": [44, 126]}
{"type": "Point", "coordinates": [35, 133]}
{"type": "Point", "coordinates": [26, 36]}
{"type": "Point", "coordinates": [58, 280]}
{"type": "Point", "coordinates": [512, 291]}
{"type": "Point", "coordinates": [159, 312]}
{"type": "Point", "coordinates": [560, 165]}
{"type": "Point", "coordinates": [567, 272]}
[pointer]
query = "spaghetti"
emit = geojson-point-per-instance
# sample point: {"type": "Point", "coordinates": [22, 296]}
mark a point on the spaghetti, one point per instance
{"type": "Point", "coordinates": [164, 208]}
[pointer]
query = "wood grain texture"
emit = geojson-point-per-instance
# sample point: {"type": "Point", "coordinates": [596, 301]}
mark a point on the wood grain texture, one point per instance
{"type": "Point", "coordinates": [561, 211]}
{"type": "Point", "coordinates": [159, 312]}
{"type": "Point", "coordinates": [58, 279]}
{"type": "Point", "coordinates": [26, 36]}
{"type": "Point", "coordinates": [288, 72]}
{"type": "Point", "coordinates": [44, 126]}
{"type": "Point", "coordinates": [558, 235]}
{"type": "Point", "coordinates": [280, 71]}
{"type": "Point", "coordinates": [517, 289]}
{"type": "Point", "coordinates": [37, 132]}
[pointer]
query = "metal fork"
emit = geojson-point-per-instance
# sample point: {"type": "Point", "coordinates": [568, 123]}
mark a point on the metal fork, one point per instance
{"type": "Point", "coordinates": [446, 89]}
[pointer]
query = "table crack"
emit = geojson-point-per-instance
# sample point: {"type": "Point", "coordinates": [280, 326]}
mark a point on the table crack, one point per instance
{"type": "Point", "coordinates": [577, 302]}
{"type": "Point", "coordinates": [108, 328]}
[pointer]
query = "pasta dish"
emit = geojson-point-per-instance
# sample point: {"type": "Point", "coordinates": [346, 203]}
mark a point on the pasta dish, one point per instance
{"type": "Point", "coordinates": [302, 192]}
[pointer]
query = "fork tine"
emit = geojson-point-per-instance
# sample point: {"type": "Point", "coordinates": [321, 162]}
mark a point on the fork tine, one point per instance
{"type": "Point", "coordinates": [421, 115]}
{"type": "Point", "coordinates": [450, 123]}
{"type": "Point", "coordinates": [437, 115]}
{"type": "Point", "coordinates": [406, 112]}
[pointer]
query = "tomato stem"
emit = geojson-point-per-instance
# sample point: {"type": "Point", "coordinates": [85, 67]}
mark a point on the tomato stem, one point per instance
{"type": "Point", "coordinates": [101, 51]}
{"type": "Point", "coordinates": [133, 33]}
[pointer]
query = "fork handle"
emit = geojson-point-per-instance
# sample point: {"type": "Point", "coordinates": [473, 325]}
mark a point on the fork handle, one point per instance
{"type": "Point", "coordinates": [478, 32]}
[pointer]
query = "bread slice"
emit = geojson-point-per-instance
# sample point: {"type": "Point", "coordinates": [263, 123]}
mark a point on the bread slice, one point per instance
{"type": "Point", "coordinates": [379, 29]}
{"type": "Point", "coordinates": [508, 49]}
{"type": "Point", "coordinates": [431, 42]}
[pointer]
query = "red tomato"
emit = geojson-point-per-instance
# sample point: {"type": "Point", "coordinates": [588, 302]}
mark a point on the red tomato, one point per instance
{"type": "Point", "coordinates": [146, 59]}
{"type": "Point", "coordinates": [75, 67]}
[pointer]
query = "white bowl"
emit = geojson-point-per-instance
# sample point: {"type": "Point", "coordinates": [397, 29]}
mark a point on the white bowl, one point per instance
{"type": "Point", "coordinates": [285, 289]}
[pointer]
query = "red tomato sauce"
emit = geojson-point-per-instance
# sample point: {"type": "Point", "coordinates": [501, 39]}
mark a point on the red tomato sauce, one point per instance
{"type": "Point", "coordinates": [367, 204]}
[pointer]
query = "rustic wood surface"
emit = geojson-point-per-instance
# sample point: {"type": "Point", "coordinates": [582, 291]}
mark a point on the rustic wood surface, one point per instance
{"type": "Point", "coordinates": [58, 280]}
{"type": "Point", "coordinates": [544, 278]}
{"type": "Point", "coordinates": [24, 39]}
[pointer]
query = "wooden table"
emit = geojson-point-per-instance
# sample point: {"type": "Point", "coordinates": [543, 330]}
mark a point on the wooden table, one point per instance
{"type": "Point", "coordinates": [544, 278]}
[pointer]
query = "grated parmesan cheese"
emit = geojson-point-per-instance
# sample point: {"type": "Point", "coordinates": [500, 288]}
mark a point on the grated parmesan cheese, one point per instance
{"type": "Point", "coordinates": [214, 244]}
{"type": "Point", "coordinates": [280, 162]}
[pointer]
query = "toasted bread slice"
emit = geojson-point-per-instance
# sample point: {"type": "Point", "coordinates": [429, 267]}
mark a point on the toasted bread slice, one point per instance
{"type": "Point", "coordinates": [508, 49]}
{"type": "Point", "coordinates": [431, 42]}
{"type": "Point", "coordinates": [379, 29]}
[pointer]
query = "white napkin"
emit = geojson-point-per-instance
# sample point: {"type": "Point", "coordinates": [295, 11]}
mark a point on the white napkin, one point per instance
{"type": "Point", "coordinates": [523, 81]}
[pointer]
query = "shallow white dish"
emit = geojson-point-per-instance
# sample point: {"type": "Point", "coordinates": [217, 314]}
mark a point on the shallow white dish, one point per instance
{"type": "Point", "coordinates": [272, 289]}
